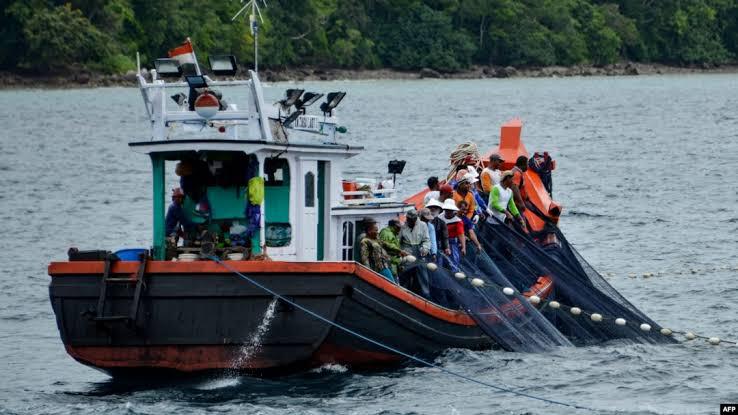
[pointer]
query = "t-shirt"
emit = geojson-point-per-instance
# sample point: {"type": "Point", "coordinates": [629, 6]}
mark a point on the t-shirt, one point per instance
{"type": "Point", "coordinates": [490, 177]}
{"type": "Point", "coordinates": [469, 199]}
{"type": "Point", "coordinates": [519, 180]}
{"type": "Point", "coordinates": [455, 226]}
{"type": "Point", "coordinates": [468, 224]}
{"type": "Point", "coordinates": [433, 194]}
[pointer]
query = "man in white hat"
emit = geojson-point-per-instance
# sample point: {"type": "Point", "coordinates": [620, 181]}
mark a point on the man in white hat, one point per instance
{"type": "Point", "coordinates": [456, 238]}
{"type": "Point", "coordinates": [436, 208]}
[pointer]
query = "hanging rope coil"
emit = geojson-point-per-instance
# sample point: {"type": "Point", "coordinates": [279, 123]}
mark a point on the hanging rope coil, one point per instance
{"type": "Point", "coordinates": [465, 154]}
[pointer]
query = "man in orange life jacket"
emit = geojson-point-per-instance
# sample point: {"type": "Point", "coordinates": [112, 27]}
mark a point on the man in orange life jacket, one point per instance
{"type": "Point", "coordinates": [518, 183]}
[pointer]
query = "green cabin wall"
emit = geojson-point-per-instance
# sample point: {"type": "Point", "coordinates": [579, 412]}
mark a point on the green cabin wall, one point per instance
{"type": "Point", "coordinates": [159, 237]}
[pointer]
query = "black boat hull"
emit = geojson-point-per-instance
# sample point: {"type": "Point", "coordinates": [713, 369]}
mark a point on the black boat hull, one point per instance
{"type": "Point", "coordinates": [196, 317]}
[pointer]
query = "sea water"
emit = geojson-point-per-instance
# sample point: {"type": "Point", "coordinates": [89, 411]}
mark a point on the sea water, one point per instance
{"type": "Point", "coordinates": [646, 174]}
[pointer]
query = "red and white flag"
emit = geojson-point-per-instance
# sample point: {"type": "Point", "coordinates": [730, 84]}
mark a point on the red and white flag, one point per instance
{"type": "Point", "coordinates": [184, 53]}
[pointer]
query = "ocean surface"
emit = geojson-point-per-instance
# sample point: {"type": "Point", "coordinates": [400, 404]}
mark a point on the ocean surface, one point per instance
{"type": "Point", "coordinates": [647, 170]}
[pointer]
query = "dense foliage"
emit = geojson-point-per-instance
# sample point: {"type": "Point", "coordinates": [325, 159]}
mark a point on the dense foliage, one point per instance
{"type": "Point", "coordinates": [447, 35]}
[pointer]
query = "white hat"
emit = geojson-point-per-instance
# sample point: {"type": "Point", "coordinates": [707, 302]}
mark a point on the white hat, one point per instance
{"type": "Point", "coordinates": [472, 170]}
{"type": "Point", "coordinates": [434, 203]}
{"type": "Point", "coordinates": [471, 178]}
{"type": "Point", "coordinates": [449, 204]}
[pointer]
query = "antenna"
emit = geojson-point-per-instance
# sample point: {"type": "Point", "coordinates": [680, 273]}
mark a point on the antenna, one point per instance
{"type": "Point", "coordinates": [253, 24]}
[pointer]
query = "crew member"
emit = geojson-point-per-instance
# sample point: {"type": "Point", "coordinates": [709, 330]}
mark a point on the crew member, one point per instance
{"type": "Point", "coordinates": [463, 192]}
{"type": "Point", "coordinates": [491, 174]}
{"type": "Point", "coordinates": [176, 224]}
{"type": "Point", "coordinates": [390, 241]}
{"type": "Point", "coordinates": [372, 254]}
{"type": "Point", "coordinates": [502, 204]}
{"type": "Point", "coordinates": [427, 217]}
{"type": "Point", "coordinates": [433, 190]}
{"type": "Point", "coordinates": [446, 191]}
{"type": "Point", "coordinates": [456, 238]}
{"type": "Point", "coordinates": [518, 182]}
{"type": "Point", "coordinates": [468, 224]}
{"type": "Point", "coordinates": [436, 208]}
{"type": "Point", "coordinates": [414, 236]}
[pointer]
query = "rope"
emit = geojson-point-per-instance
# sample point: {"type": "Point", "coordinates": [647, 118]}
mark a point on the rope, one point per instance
{"type": "Point", "coordinates": [461, 153]}
{"type": "Point", "coordinates": [392, 349]}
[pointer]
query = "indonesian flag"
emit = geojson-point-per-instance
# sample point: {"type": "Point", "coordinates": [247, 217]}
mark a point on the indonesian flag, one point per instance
{"type": "Point", "coordinates": [184, 53]}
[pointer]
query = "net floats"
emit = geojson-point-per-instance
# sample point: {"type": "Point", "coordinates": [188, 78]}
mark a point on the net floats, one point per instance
{"type": "Point", "coordinates": [508, 291]}
{"type": "Point", "coordinates": [575, 311]}
{"type": "Point", "coordinates": [534, 299]}
{"type": "Point", "coordinates": [431, 266]}
{"type": "Point", "coordinates": [596, 317]}
{"type": "Point", "coordinates": [477, 282]}
{"type": "Point", "coordinates": [645, 327]}
{"type": "Point", "coordinates": [690, 336]}
{"type": "Point", "coordinates": [620, 321]}
{"type": "Point", "coordinates": [554, 304]}
{"type": "Point", "coordinates": [666, 332]}
{"type": "Point", "coordinates": [714, 341]}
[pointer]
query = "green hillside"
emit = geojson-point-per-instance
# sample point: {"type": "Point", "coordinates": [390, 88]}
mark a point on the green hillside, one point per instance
{"type": "Point", "coordinates": [44, 36]}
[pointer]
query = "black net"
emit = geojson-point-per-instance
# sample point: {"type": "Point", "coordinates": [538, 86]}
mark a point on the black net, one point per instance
{"type": "Point", "coordinates": [577, 306]}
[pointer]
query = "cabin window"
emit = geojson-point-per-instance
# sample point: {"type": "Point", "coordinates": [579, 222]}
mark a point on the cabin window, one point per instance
{"type": "Point", "coordinates": [309, 189]}
{"type": "Point", "coordinates": [347, 242]}
{"type": "Point", "coordinates": [278, 230]}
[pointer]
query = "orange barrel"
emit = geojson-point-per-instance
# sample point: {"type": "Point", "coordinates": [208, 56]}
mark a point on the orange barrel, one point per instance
{"type": "Point", "coordinates": [350, 186]}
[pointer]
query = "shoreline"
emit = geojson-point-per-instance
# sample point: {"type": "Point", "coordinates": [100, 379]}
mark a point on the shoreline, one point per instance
{"type": "Point", "coordinates": [9, 80]}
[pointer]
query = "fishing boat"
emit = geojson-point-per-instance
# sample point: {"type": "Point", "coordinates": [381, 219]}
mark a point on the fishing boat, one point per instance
{"type": "Point", "coordinates": [263, 188]}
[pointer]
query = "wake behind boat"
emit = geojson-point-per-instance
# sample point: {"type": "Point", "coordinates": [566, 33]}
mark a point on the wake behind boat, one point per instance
{"type": "Point", "coordinates": [261, 202]}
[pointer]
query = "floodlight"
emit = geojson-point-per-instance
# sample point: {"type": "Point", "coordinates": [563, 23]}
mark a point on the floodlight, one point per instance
{"type": "Point", "coordinates": [289, 120]}
{"type": "Point", "coordinates": [396, 166]}
{"type": "Point", "coordinates": [290, 97]}
{"type": "Point", "coordinates": [168, 68]}
{"type": "Point", "coordinates": [307, 100]}
{"type": "Point", "coordinates": [196, 81]}
{"type": "Point", "coordinates": [332, 101]}
{"type": "Point", "coordinates": [223, 65]}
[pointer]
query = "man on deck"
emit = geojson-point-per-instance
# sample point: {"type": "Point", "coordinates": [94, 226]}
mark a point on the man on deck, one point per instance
{"type": "Point", "coordinates": [463, 192]}
{"type": "Point", "coordinates": [433, 190]}
{"type": "Point", "coordinates": [390, 241]}
{"type": "Point", "coordinates": [502, 204]}
{"type": "Point", "coordinates": [373, 254]}
{"type": "Point", "coordinates": [518, 182]}
{"type": "Point", "coordinates": [414, 236]}
{"type": "Point", "coordinates": [176, 224]}
{"type": "Point", "coordinates": [491, 174]}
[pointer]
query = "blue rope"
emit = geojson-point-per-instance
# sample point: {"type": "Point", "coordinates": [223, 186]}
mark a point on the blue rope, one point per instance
{"type": "Point", "coordinates": [392, 349]}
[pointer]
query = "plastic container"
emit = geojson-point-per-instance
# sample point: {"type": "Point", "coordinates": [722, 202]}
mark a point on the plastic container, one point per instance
{"type": "Point", "coordinates": [235, 257]}
{"type": "Point", "coordinates": [349, 186]}
{"type": "Point", "coordinates": [188, 257]}
{"type": "Point", "coordinates": [130, 254]}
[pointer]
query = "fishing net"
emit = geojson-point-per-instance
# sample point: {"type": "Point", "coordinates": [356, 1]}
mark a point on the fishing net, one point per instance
{"type": "Point", "coordinates": [577, 304]}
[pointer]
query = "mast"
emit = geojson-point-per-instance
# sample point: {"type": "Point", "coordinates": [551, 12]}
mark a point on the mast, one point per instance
{"type": "Point", "coordinates": [253, 25]}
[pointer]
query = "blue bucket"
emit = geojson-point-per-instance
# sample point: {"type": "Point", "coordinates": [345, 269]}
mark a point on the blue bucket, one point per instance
{"type": "Point", "coordinates": [130, 254]}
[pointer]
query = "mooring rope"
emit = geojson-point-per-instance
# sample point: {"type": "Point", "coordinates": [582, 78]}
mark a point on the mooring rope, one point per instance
{"type": "Point", "coordinates": [392, 349]}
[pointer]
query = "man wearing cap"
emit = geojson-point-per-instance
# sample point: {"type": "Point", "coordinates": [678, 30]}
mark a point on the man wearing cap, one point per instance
{"type": "Point", "coordinates": [427, 218]}
{"type": "Point", "coordinates": [390, 241]}
{"type": "Point", "coordinates": [446, 192]}
{"type": "Point", "coordinates": [456, 238]}
{"type": "Point", "coordinates": [502, 204]}
{"type": "Point", "coordinates": [373, 255]}
{"type": "Point", "coordinates": [463, 192]}
{"type": "Point", "coordinates": [491, 174]}
{"type": "Point", "coordinates": [414, 236]}
{"type": "Point", "coordinates": [176, 222]}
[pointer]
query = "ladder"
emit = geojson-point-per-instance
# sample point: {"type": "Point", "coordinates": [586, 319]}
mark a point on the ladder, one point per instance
{"type": "Point", "coordinates": [131, 317]}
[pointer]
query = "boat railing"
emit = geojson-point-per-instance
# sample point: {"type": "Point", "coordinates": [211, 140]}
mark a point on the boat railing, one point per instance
{"type": "Point", "coordinates": [369, 197]}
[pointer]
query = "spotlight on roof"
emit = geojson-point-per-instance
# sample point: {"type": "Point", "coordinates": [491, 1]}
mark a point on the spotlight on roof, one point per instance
{"type": "Point", "coordinates": [223, 65]}
{"type": "Point", "coordinates": [290, 97]}
{"type": "Point", "coordinates": [307, 100]}
{"type": "Point", "coordinates": [332, 101]}
{"type": "Point", "coordinates": [168, 68]}
{"type": "Point", "coordinates": [396, 166]}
